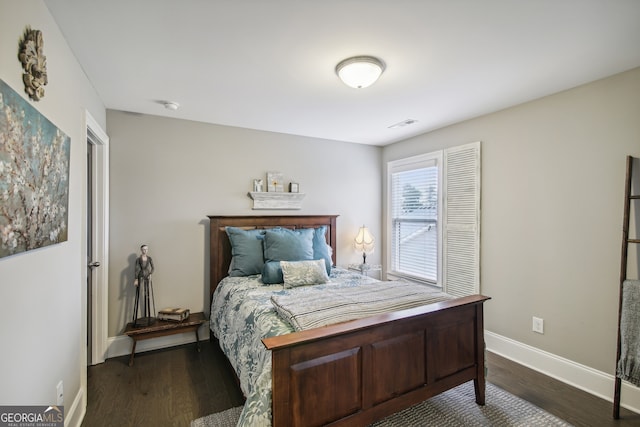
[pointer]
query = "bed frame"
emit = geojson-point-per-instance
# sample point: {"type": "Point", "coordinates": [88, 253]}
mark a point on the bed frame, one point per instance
{"type": "Point", "coordinates": [357, 372]}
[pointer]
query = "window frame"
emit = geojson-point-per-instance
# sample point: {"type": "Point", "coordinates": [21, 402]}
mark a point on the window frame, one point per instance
{"type": "Point", "coordinates": [434, 158]}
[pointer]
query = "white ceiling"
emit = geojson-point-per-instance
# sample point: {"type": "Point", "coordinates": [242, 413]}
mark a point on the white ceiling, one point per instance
{"type": "Point", "coordinates": [270, 65]}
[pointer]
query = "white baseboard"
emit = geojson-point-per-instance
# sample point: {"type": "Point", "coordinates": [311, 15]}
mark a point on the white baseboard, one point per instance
{"type": "Point", "coordinates": [580, 376]}
{"type": "Point", "coordinates": [121, 344]}
{"type": "Point", "coordinates": [74, 414]}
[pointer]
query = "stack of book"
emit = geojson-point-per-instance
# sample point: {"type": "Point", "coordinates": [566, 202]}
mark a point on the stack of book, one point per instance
{"type": "Point", "coordinates": [173, 314]}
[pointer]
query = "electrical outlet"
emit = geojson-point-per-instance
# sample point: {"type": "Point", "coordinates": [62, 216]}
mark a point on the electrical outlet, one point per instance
{"type": "Point", "coordinates": [60, 394]}
{"type": "Point", "coordinates": [538, 325]}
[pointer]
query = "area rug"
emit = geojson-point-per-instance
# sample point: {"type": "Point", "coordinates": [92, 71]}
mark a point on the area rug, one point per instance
{"type": "Point", "coordinates": [228, 418]}
{"type": "Point", "coordinates": [453, 408]}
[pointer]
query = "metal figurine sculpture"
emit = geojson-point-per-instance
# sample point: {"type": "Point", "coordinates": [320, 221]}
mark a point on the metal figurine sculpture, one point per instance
{"type": "Point", "coordinates": [144, 269]}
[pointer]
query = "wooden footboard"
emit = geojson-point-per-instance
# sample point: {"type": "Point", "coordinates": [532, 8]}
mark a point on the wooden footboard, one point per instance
{"type": "Point", "coordinates": [358, 372]}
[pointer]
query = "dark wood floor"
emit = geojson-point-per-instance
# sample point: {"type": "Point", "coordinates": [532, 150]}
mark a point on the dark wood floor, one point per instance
{"type": "Point", "coordinates": [569, 403]}
{"type": "Point", "coordinates": [171, 387]}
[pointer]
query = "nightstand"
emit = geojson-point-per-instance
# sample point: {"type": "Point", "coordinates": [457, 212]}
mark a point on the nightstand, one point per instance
{"type": "Point", "coordinates": [369, 270]}
{"type": "Point", "coordinates": [162, 328]}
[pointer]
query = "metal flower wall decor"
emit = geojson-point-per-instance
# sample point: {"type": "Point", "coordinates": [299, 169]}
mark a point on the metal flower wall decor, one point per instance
{"type": "Point", "coordinates": [34, 177]}
{"type": "Point", "coordinates": [34, 63]}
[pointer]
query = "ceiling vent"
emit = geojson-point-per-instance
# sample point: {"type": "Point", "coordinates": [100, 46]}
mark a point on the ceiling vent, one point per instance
{"type": "Point", "coordinates": [403, 123]}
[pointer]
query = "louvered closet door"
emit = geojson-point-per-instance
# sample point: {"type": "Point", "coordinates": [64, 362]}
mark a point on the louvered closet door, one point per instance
{"type": "Point", "coordinates": [461, 239]}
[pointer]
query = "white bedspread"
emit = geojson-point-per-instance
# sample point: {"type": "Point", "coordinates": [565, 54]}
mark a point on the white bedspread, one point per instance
{"type": "Point", "coordinates": [312, 307]}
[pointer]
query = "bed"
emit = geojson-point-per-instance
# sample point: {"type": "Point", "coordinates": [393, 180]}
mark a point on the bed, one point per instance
{"type": "Point", "coordinates": [349, 373]}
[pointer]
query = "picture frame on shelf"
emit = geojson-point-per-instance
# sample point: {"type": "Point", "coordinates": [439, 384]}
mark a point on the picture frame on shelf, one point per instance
{"type": "Point", "coordinates": [275, 182]}
{"type": "Point", "coordinates": [258, 185]}
{"type": "Point", "coordinates": [294, 187]}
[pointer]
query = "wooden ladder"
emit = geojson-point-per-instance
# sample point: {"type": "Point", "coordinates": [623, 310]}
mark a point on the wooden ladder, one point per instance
{"type": "Point", "coordinates": [628, 197]}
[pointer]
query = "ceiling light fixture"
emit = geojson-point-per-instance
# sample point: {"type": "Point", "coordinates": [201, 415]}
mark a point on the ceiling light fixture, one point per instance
{"type": "Point", "coordinates": [360, 71]}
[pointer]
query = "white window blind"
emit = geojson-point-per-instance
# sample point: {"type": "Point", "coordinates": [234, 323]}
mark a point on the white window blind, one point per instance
{"type": "Point", "coordinates": [414, 207]}
{"type": "Point", "coordinates": [434, 218]}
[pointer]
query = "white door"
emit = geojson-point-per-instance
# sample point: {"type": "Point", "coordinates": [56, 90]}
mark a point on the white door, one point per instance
{"type": "Point", "coordinates": [97, 241]}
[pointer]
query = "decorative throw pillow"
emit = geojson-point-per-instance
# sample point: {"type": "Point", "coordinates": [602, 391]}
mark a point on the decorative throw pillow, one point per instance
{"type": "Point", "coordinates": [246, 251]}
{"type": "Point", "coordinates": [301, 273]}
{"type": "Point", "coordinates": [283, 244]}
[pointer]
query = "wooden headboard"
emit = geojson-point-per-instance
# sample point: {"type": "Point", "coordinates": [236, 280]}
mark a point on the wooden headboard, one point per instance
{"type": "Point", "coordinates": [220, 248]}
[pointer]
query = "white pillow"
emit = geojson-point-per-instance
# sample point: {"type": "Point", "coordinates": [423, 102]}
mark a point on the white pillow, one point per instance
{"type": "Point", "coordinates": [301, 273]}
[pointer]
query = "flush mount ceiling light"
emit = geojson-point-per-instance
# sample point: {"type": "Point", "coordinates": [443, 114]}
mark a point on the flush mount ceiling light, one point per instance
{"type": "Point", "coordinates": [360, 71]}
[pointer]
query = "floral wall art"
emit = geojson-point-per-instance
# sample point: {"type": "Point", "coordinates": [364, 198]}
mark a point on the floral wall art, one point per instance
{"type": "Point", "coordinates": [34, 177]}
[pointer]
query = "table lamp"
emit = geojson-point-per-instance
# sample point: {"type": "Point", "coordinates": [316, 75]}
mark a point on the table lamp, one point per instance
{"type": "Point", "coordinates": [364, 242]}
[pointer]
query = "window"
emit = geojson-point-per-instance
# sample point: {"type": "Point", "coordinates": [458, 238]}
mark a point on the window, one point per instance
{"type": "Point", "coordinates": [433, 214]}
{"type": "Point", "coordinates": [414, 217]}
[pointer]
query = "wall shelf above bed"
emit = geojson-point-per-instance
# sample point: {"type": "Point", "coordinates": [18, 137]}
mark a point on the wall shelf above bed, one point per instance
{"type": "Point", "coordinates": [276, 200]}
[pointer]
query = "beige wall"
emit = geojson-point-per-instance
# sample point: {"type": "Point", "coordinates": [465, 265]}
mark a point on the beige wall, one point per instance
{"type": "Point", "coordinates": [43, 317]}
{"type": "Point", "coordinates": [553, 172]}
{"type": "Point", "coordinates": [167, 175]}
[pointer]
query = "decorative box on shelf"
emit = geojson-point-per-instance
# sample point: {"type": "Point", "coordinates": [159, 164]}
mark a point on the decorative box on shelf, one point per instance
{"type": "Point", "coordinates": [276, 200]}
{"type": "Point", "coordinates": [173, 314]}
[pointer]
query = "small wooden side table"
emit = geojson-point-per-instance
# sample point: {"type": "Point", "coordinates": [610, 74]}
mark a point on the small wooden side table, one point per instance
{"type": "Point", "coordinates": [370, 270]}
{"type": "Point", "coordinates": [162, 328]}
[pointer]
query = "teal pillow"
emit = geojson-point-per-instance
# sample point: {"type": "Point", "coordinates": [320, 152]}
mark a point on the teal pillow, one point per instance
{"type": "Point", "coordinates": [321, 250]}
{"type": "Point", "coordinates": [283, 244]}
{"type": "Point", "coordinates": [246, 250]}
{"type": "Point", "coordinates": [272, 273]}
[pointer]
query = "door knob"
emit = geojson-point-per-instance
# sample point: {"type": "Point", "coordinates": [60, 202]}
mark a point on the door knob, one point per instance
{"type": "Point", "coordinates": [94, 264]}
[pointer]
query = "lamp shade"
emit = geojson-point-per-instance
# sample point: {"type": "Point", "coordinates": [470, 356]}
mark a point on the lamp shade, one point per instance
{"type": "Point", "coordinates": [360, 71]}
{"type": "Point", "coordinates": [364, 241]}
